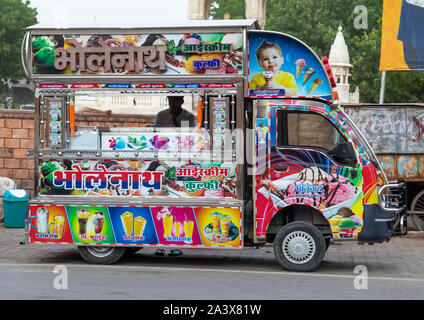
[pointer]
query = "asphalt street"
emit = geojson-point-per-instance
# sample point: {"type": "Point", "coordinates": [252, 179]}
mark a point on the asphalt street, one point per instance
{"type": "Point", "coordinates": [393, 270]}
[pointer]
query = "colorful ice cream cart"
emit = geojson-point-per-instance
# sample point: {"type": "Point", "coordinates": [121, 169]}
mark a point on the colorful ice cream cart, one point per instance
{"type": "Point", "coordinates": [272, 157]}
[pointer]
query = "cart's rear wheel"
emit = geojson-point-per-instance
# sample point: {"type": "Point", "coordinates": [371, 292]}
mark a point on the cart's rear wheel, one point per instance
{"type": "Point", "coordinates": [418, 205]}
{"type": "Point", "coordinates": [101, 255]}
{"type": "Point", "coordinates": [299, 246]}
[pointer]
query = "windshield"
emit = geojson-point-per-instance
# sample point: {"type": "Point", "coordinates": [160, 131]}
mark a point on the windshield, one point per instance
{"type": "Point", "coordinates": [366, 153]}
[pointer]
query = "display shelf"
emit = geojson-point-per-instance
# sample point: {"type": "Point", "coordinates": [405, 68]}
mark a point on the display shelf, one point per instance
{"type": "Point", "coordinates": [132, 155]}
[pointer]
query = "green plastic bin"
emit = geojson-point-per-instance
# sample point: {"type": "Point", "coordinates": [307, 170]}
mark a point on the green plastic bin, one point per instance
{"type": "Point", "coordinates": [15, 207]}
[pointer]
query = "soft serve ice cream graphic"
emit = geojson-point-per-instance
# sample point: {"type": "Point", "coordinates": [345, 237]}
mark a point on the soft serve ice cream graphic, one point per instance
{"type": "Point", "coordinates": [345, 223]}
{"type": "Point", "coordinates": [314, 187]}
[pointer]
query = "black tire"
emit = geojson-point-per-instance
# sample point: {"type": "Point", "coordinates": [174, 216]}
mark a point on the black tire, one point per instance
{"type": "Point", "coordinates": [299, 246]}
{"type": "Point", "coordinates": [101, 255]}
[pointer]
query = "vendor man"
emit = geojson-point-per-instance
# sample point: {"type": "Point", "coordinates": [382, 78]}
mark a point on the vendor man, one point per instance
{"type": "Point", "coordinates": [175, 116]}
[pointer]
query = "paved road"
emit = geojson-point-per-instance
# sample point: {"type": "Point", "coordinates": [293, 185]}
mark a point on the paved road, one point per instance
{"type": "Point", "coordinates": [395, 271]}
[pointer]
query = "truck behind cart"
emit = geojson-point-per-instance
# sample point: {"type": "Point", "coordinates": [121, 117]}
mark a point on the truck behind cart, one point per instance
{"type": "Point", "coordinates": [395, 132]}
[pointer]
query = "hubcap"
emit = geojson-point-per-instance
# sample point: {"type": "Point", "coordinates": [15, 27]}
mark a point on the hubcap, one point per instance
{"type": "Point", "coordinates": [298, 247]}
{"type": "Point", "coordinates": [100, 252]}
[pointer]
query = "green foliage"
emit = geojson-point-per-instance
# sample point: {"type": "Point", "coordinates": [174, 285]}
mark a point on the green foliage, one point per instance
{"type": "Point", "coordinates": [316, 23]}
{"type": "Point", "coordinates": [234, 8]}
{"type": "Point", "coordinates": [15, 16]}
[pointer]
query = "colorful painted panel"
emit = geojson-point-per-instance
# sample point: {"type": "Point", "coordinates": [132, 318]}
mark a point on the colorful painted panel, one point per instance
{"type": "Point", "coordinates": [176, 225]}
{"type": "Point", "coordinates": [49, 224]}
{"type": "Point", "coordinates": [90, 224]}
{"type": "Point", "coordinates": [310, 178]}
{"type": "Point", "coordinates": [121, 225]}
{"type": "Point", "coordinates": [138, 54]}
{"type": "Point", "coordinates": [220, 226]}
{"type": "Point", "coordinates": [134, 178]}
{"type": "Point", "coordinates": [153, 141]}
{"type": "Point", "coordinates": [282, 66]}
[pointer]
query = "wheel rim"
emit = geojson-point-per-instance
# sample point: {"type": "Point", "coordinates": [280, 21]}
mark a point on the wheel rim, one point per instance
{"type": "Point", "coordinates": [299, 247]}
{"type": "Point", "coordinates": [100, 252]}
{"type": "Point", "coordinates": [418, 205]}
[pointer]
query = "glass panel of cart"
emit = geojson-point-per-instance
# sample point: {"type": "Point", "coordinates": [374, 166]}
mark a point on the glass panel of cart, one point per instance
{"type": "Point", "coordinates": [189, 159]}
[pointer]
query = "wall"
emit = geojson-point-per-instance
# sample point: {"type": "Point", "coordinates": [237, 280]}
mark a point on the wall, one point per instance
{"type": "Point", "coordinates": [17, 136]}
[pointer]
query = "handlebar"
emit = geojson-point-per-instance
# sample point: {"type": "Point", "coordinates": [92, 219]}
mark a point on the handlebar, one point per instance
{"type": "Point", "coordinates": [24, 51]}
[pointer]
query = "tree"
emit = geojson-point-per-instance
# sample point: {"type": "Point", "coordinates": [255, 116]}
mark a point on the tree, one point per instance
{"type": "Point", "coordinates": [234, 8]}
{"type": "Point", "coordinates": [315, 22]}
{"type": "Point", "coordinates": [15, 16]}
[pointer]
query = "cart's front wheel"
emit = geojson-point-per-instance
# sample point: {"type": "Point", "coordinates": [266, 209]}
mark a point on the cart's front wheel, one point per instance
{"type": "Point", "coordinates": [299, 246]}
{"type": "Point", "coordinates": [101, 255]}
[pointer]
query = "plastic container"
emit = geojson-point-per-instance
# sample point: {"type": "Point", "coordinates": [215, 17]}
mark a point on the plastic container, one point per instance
{"type": "Point", "coordinates": [15, 206]}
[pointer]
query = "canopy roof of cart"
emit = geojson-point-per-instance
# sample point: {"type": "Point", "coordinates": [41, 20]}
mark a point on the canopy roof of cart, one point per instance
{"type": "Point", "coordinates": [142, 49]}
{"type": "Point", "coordinates": [148, 25]}
{"type": "Point", "coordinates": [199, 50]}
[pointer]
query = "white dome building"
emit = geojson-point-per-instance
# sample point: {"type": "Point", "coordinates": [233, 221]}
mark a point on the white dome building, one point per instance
{"type": "Point", "coordinates": [340, 66]}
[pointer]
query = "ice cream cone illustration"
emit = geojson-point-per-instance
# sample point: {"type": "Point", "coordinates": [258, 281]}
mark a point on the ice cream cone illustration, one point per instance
{"type": "Point", "coordinates": [267, 76]}
{"type": "Point", "coordinates": [299, 66]}
{"type": "Point", "coordinates": [317, 82]}
{"type": "Point", "coordinates": [308, 74]}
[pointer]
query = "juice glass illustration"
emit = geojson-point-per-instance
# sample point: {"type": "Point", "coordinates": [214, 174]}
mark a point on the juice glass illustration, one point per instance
{"type": "Point", "coordinates": [127, 222]}
{"type": "Point", "coordinates": [59, 225]}
{"type": "Point", "coordinates": [167, 225]}
{"type": "Point", "coordinates": [225, 225]}
{"type": "Point", "coordinates": [216, 218]}
{"type": "Point", "coordinates": [98, 220]}
{"type": "Point", "coordinates": [177, 225]}
{"type": "Point", "coordinates": [42, 220]}
{"type": "Point", "coordinates": [139, 225]}
{"type": "Point", "coordinates": [83, 215]}
{"type": "Point", "coordinates": [188, 229]}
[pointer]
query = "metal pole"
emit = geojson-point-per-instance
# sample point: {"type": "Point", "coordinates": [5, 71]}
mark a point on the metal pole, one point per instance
{"type": "Point", "coordinates": [382, 87]}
